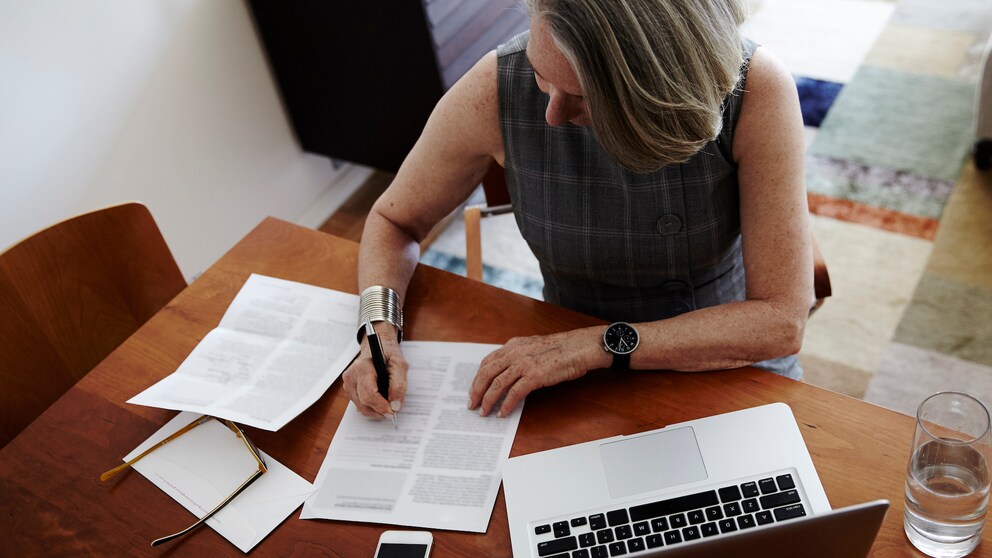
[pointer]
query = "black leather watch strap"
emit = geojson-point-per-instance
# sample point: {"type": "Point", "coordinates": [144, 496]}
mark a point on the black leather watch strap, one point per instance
{"type": "Point", "coordinates": [620, 361]}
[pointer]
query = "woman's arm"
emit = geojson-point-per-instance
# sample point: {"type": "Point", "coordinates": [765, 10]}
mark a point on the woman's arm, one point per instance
{"type": "Point", "coordinates": [769, 149]}
{"type": "Point", "coordinates": [459, 142]}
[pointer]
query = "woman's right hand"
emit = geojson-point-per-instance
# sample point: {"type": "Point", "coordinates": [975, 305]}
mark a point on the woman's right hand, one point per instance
{"type": "Point", "coordinates": [360, 380]}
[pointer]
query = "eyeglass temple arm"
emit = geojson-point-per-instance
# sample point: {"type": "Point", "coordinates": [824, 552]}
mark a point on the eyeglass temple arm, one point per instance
{"type": "Point", "coordinates": [172, 437]}
{"type": "Point", "coordinates": [210, 514]}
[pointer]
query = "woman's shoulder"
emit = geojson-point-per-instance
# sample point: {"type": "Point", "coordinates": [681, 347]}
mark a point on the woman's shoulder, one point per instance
{"type": "Point", "coordinates": [469, 111]}
{"type": "Point", "coordinates": [766, 74]}
{"type": "Point", "coordinates": [770, 100]}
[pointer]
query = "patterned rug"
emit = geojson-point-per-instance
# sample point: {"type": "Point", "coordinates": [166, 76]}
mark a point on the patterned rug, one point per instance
{"type": "Point", "coordinates": [890, 147]}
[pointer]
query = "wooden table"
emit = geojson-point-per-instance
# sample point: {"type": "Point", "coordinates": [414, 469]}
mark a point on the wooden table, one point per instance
{"type": "Point", "coordinates": [52, 502]}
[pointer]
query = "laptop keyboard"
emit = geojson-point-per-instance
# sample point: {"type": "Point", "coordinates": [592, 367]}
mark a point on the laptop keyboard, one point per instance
{"type": "Point", "coordinates": [672, 521]}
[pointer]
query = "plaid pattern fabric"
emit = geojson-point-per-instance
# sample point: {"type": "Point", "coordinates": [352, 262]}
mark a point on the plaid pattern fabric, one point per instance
{"type": "Point", "coordinates": [612, 243]}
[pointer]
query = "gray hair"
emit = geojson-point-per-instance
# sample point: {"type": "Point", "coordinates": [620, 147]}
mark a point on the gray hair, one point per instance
{"type": "Point", "coordinates": [654, 72]}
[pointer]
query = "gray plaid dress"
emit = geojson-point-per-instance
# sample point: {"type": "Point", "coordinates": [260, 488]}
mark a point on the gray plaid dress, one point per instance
{"type": "Point", "coordinates": [615, 244]}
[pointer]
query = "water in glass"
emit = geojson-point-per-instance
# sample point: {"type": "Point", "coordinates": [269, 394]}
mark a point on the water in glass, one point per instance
{"type": "Point", "coordinates": [947, 495]}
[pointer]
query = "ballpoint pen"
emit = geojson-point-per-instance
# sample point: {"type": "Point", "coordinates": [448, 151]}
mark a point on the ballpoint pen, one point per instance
{"type": "Point", "coordinates": [379, 361]}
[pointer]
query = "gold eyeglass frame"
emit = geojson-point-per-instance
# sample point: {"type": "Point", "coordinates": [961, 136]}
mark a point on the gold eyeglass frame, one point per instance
{"type": "Point", "coordinates": [262, 468]}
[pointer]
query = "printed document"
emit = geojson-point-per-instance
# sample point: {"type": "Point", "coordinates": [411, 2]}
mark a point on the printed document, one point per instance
{"type": "Point", "coordinates": [439, 469]}
{"type": "Point", "coordinates": [277, 349]}
{"type": "Point", "coordinates": [203, 466]}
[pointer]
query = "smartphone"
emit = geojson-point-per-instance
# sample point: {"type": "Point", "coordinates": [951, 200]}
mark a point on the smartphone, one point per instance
{"type": "Point", "coordinates": [404, 544]}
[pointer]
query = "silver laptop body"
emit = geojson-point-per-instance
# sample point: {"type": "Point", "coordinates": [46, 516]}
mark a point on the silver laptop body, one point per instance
{"type": "Point", "coordinates": [688, 489]}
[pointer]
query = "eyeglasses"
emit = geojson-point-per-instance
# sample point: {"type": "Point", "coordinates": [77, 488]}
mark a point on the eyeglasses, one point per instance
{"type": "Point", "coordinates": [237, 432]}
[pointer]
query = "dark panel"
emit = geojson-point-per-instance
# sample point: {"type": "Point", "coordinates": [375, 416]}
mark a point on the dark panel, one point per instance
{"type": "Point", "coordinates": [358, 79]}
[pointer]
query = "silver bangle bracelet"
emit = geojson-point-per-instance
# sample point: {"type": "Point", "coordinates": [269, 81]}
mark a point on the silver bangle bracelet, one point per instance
{"type": "Point", "coordinates": [380, 304]}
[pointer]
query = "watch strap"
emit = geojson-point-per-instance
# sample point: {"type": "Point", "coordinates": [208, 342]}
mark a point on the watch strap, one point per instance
{"type": "Point", "coordinates": [621, 361]}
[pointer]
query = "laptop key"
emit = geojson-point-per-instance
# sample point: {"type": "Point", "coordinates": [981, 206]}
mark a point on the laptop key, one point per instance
{"type": "Point", "coordinates": [673, 505]}
{"type": "Point", "coordinates": [678, 521]}
{"type": "Point", "coordinates": [542, 529]}
{"type": "Point", "coordinates": [641, 529]}
{"type": "Point", "coordinates": [780, 499]}
{"type": "Point", "coordinates": [727, 525]}
{"type": "Point", "coordinates": [561, 529]}
{"type": "Point", "coordinates": [750, 505]}
{"type": "Point", "coordinates": [557, 546]}
{"type": "Point", "coordinates": [597, 522]}
{"type": "Point", "coordinates": [749, 489]}
{"type": "Point", "coordinates": [730, 494]}
{"type": "Point", "coordinates": [599, 552]}
{"type": "Point", "coordinates": [696, 517]}
{"type": "Point", "coordinates": [732, 509]}
{"type": "Point", "coordinates": [789, 512]}
{"type": "Point", "coordinates": [746, 521]}
{"type": "Point", "coordinates": [659, 524]}
{"type": "Point", "coordinates": [785, 482]}
{"type": "Point", "coordinates": [604, 536]}
{"type": "Point", "coordinates": [690, 533]}
{"type": "Point", "coordinates": [673, 537]}
{"type": "Point", "coordinates": [764, 517]}
{"type": "Point", "coordinates": [578, 521]}
{"type": "Point", "coordinates": [709, 529]}
{"type": "Point", "coordinates": [654, 541]}
{"type": "Point", "coordinates": [623, 532]}
{"type": "Point", "coordinates": [587, 539]}
{"type": "Point", "coordinates": [618, 549]}
{"type": "Point", "coordinates": [581, 553]}
{"type": "Point", "coordinates": [617, 517]}
{"type": "Point", "coordinates": [635, 545]}
{"type": "Point", "coordinates": [767, 486]}
{"type": "Point", "coordinates": [714, 513]}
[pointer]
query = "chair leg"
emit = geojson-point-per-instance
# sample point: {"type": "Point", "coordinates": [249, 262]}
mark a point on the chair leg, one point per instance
{"type": "Point", "coordinates": [473, 242]}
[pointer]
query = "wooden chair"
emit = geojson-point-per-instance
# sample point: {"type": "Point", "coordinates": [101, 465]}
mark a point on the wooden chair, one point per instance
{"type": "Point", "coordinates": [69, 295]}
{"type": "Point", "coordinates": [498, 203]}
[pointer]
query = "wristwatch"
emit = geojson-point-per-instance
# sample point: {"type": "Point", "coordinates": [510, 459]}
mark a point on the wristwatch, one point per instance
{"type": "Point", "coordinates": [620, 339]}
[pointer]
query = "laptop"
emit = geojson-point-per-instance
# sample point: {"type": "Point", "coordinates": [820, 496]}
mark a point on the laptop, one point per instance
{"type": "Point", "coordinates": [736, 484]}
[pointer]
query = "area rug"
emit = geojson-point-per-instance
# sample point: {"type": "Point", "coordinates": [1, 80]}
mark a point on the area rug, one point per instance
{"type": "Point", "coordinates": [498, 277]}
{"type": "Point", "coordinates": [898, 132]}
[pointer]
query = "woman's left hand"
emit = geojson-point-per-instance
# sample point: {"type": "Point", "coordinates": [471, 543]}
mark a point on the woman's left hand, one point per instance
{"type": "Point", "coordinates": [524, 364]}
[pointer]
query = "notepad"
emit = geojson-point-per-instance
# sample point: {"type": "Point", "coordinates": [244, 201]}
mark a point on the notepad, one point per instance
{"type": "Point", "coordinates": [200, 468]}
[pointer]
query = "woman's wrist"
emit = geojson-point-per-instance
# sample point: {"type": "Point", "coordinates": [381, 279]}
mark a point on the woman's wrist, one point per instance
{"type": "Point", "coordinates": [594, 355]}
{"type": "Point", "coordinates": [380, 304]}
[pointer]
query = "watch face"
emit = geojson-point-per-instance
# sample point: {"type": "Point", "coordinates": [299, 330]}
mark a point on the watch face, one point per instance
{"type": "Point", "coordinates": [620, 338]}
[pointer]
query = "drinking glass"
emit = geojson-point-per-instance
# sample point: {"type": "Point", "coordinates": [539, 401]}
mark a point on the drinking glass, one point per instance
{"type": "Point", "coordinates": [947, 480]}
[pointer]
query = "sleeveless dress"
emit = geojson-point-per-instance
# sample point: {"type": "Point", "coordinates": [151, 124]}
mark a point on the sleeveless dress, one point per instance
{"type": "Point", "coordinates": [612, 243]}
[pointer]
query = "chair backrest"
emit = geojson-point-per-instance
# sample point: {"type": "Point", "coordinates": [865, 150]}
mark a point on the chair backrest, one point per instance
{"type": "Point", "coordinates": [69, 295]}
{"type": "Point", "coordinates": [497, 194]}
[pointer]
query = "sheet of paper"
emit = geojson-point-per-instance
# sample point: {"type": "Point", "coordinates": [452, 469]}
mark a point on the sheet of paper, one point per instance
{"type": "Point", "coordinates": [203, 466]}
{"type": "Point", "coordinates": [277, 349]}
{"type": "Point", "coordinates": [440, 469]}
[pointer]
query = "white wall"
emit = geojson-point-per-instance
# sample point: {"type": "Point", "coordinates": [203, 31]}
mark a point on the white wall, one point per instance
{"type": "Point", "coordinates": [169, 102]}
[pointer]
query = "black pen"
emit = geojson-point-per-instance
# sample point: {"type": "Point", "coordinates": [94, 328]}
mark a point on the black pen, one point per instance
{"type": "Point", "coordinates": [379, 361]}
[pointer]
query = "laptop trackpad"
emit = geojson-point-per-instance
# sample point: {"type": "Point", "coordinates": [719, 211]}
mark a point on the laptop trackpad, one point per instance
{"type": "Point", "coordinates": [652, 462]}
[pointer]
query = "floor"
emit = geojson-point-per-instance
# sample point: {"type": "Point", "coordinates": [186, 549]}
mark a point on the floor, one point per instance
{"type": "Point", "coordinates": [908, 243]}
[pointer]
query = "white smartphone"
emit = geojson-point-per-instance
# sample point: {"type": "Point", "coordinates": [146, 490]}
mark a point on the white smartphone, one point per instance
{"type": "Point", "coordinates": [404, 544]}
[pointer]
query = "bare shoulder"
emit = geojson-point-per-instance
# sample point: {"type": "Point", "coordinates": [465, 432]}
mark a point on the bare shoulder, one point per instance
{"type": "Point", "coordinates": [470, 109]}
{"type": "Point", "coordinates": [770, 105]}
{"type": "Point", "coordinates": [767, 75]}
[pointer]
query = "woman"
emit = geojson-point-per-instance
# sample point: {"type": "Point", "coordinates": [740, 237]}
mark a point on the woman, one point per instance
{"type": "Point", "coordinates": [654, 160]}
